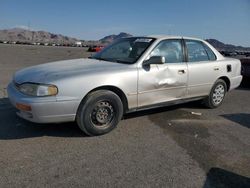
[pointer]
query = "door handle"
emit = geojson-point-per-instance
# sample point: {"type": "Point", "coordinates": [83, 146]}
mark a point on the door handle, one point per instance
{"type": "Point", "coordinates": [182, 71]}
{"type": "Point", "coordinates": [216, 68]}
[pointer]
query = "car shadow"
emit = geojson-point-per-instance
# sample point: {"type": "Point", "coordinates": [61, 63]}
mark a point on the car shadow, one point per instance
{"type": "Point", "coordinates": [13, 127]}
{"type": "Point", "coordinates": [191, 105]}
{"type": "Point", "coordinates": [220, 178]}
{"type": "Point", "coordinates": [240, 118]}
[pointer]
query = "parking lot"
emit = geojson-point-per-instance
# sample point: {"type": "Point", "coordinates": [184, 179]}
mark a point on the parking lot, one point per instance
{"type": "Point", "coordinates": [180, 146]}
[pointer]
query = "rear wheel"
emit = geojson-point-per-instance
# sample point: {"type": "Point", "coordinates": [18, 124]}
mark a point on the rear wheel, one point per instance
{"type": "Point", "coordinates": [217, 94]}
{"type": "Point", "coordinates": [99, 113]}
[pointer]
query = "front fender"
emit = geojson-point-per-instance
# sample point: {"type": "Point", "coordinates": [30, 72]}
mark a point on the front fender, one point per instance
{"type": "Point", "coordinates": [76, 88]}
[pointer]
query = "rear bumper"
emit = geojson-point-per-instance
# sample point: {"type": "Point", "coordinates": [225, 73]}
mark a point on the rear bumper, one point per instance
{"type": "Point", "coordinates": [235, 82]}
{"type": "Point", "coordinates": [43, 109]}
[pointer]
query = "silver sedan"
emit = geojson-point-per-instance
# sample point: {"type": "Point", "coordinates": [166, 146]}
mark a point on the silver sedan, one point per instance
{"type": "Point", "coordinates": [129, 75]}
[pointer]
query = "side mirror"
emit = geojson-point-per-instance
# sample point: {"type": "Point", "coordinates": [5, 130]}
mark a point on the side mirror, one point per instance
{"type": "Point", "coordinates": [154, 60]}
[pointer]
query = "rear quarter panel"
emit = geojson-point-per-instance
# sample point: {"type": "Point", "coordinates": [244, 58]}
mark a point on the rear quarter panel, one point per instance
{"type": "Point", "coordinates": [234, 74]}
{"type": "Point", "coordinates": [202, 76]}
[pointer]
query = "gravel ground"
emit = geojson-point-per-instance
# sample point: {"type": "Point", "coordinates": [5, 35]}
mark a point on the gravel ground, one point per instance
{"type": "Point", "coordinates": [165, 147]}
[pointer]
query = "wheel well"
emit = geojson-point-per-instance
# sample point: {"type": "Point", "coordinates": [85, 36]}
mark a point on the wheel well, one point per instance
{"type": "Point", "coordinates": [117, 91]}
{"type": "Point", "coordinates": [226, 79]}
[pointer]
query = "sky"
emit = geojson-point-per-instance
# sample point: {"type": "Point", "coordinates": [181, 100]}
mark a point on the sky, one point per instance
{"type": "Point", "coordinates": [225, 20]}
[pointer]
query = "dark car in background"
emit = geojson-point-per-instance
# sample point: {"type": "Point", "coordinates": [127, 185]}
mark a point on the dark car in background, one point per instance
{"type": "Point", "coordinates": [229, 53]}
{"type": "Point", "coordinates": [245, 67]}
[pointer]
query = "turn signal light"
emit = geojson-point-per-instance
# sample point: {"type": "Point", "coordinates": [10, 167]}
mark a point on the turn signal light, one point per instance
{"type": "Point", "coordinates": [23, 107]}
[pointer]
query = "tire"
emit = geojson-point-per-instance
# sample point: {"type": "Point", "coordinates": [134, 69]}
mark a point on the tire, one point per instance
{"type": "Point", "coordinates": [99, 113]}
{"type": "Point", "coordinates": [217, 94]}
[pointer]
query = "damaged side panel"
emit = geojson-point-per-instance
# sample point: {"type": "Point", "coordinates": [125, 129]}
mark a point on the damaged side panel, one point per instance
{"type": "Point", "coordinates": [162, 83]}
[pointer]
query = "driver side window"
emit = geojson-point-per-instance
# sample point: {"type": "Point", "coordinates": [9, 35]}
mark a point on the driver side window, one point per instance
{"type": "Point", "coordinates": [170, 49]}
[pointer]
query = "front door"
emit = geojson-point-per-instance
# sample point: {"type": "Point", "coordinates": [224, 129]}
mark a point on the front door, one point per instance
{"type": "Point", "coordinates": [163, 82]}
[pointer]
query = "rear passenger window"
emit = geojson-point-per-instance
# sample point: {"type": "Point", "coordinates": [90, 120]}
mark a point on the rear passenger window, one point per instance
{"type": "Point", "coordinates": [210, 53]}
{"type": "Point", "coordinates": [196, 51]}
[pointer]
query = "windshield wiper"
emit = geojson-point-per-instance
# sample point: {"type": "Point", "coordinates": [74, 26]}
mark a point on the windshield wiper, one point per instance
{"type": "Point", "coordinates": [101, 59]}
{"type": "Point", "coordinates": [111, 60]}
{"type": "Point", "coordinates": [122, 61]}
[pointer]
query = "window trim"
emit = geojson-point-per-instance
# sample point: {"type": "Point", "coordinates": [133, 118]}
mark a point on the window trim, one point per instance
{"type": "Point", "coordinates": [185, 50]}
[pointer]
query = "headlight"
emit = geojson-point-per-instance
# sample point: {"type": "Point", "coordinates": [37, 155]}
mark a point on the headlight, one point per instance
{"type": "Point", "coordinates": [38, 89]}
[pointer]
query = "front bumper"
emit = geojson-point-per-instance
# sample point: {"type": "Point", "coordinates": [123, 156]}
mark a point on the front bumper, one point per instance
{"type": "Point", "coordinates": [43, 109]}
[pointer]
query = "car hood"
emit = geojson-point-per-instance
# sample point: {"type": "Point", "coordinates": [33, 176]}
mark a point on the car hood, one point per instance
{"type": "Point", "coordinates": [50, 72]}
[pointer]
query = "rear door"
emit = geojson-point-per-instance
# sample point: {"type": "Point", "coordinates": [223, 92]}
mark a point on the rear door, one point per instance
{"type": "Point", "coordinates": [203, 69]}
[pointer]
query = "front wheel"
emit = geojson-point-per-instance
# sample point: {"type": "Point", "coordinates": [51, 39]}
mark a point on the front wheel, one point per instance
{"type": "Point", "coordinates": [217, 94]}
{"type": "Point", "coordinates": [99, 113]}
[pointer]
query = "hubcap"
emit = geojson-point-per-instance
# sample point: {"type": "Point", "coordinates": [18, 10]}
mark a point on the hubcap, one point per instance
{"type": "Point", "coordinates": [102, 113]}
{"type": "Point", "coordinates": [218, 94]}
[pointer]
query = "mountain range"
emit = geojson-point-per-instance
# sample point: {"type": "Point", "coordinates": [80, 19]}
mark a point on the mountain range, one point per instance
{"type": "Point", "coordinates": [226, 47]}
{"type": "Point", "coordinates": [111, 38]}
{"type": "Point", "coordinates": [23, 35]}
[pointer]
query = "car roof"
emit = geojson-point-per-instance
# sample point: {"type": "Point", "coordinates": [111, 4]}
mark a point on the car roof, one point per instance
{"type": "Point", "coordinates": [172, 36]}
{"type": "Point", "coordinates": [162, 37]}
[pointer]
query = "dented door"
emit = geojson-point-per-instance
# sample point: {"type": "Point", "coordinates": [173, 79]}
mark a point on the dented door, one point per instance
{"type": "Point", "coordinates": [162, 83]}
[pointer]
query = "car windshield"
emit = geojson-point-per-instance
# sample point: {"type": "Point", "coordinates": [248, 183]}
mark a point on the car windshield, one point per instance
{"type": "Point", "coordinates": [125, 50]}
